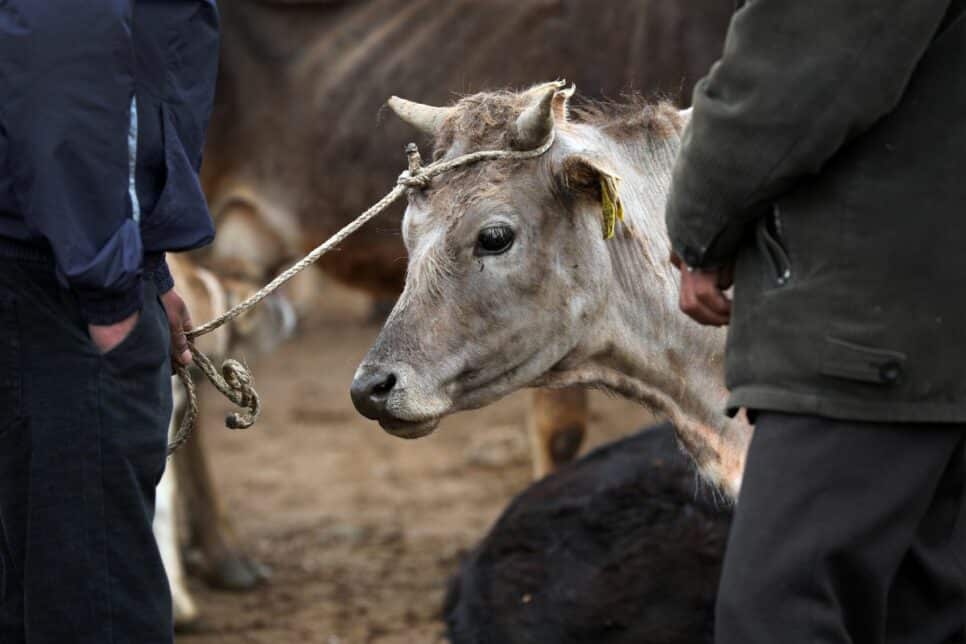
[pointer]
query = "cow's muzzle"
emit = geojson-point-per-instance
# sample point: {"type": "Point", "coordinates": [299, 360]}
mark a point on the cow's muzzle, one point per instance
{"type": "Point", "coordinates": [372, 394]}
{"type": "Point", "coordinates": [371, 389]}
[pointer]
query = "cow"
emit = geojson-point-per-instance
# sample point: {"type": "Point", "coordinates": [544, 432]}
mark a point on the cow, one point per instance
{"type": "Point", "coordinates": [616, 548]}
{"type": "Point", "coordinates": [295, 150]}
{"type": "Point", "coordinates": [187, 475]}
{"type": "Point", "coordinates": [521, 274]}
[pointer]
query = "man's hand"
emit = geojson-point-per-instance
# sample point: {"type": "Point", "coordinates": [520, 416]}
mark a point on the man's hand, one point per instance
{"type": "Point", "coordinates": [178, 321]}
{"type": "Point", "coordinates": [107, 336]}
{"type": "Point", "coordinates": [702, 293]}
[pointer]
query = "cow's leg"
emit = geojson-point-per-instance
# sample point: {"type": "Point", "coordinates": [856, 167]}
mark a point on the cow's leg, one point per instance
{"type": "Point", "coordinates": [558, 421]}
{"type": "Point", "coordinates": [228, 567]}
{"type": "Point", "coordinates": [166, 528]}
{"type": "Point", "coordinates": [169, 544]}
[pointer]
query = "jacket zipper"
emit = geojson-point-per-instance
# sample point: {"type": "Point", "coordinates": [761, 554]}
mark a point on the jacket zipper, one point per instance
{"type": "Point", "coordinates": [772, 248]}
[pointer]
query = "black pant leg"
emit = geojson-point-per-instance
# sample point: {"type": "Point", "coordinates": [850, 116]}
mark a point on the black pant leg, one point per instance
{"type": "Point", "coordinates": [14, 475]}
{"type": "Point", "coordinates": [827, 512]}
{"type": "Point", "coordinates": [927, 601]}
{"type": "Point", "coordinates": [94, 430]}
{"type": "Point", "coordinates": [134, 397]}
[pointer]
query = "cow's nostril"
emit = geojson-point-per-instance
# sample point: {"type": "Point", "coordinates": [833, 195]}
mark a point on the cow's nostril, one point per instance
{"type": "Point", "coordinates": [370, 392]}
{"type": "Point", "coordinates": [384, 387]}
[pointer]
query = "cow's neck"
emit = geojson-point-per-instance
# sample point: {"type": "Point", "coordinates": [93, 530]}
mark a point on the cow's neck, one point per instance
{"type": "Point", "coordinates": [647, 350]}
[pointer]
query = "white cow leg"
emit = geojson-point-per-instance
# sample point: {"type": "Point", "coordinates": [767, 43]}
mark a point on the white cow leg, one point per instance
{"type": "Point", "coordinates": [166, 530]}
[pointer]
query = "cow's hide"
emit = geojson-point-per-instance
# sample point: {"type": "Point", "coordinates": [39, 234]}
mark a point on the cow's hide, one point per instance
{"type": "Point", "coordinates": [622, 546]}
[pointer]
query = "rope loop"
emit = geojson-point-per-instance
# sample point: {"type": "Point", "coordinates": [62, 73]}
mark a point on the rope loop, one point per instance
{"type": "Point", "coordinates": [419, 181]}
{"type": "Point", "coordinates": [239, 380]}
{"type": "Point", "coordinates": [191, 410]}
{"type": "Point", "coordinates": [234, 380]}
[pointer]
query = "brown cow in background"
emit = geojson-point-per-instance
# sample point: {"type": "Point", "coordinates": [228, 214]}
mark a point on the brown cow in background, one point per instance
{"type": "Point", "coordinates": [297, 147]}
{"type": "Point", "coordinates": [302, 84]}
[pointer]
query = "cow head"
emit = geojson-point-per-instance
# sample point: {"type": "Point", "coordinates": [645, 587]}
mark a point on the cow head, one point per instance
{"type": "Point", "coordinates": [508, 275]}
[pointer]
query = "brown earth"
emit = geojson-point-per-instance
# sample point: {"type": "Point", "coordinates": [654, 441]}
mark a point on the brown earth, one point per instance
{"type": "Point", "coordinates": [360, 530]}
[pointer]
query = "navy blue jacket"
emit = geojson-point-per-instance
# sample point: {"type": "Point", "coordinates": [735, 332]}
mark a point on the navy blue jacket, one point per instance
{"type": "Point", "coordinates": [103, 109]}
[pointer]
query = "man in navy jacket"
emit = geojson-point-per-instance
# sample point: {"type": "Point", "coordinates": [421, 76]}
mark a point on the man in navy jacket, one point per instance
{"type": "Point", "coordinates": [102, 118]}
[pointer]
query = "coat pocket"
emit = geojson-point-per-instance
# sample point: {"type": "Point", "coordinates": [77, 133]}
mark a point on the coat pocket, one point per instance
{"type": "Point", "coordinates": [774, 252]}
{"type": "Point", "coordinates": [842, 359]}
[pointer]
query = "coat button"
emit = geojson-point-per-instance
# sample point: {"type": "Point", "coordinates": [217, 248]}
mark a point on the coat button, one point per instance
{"type": "Point", "coordinates": [890, 372]}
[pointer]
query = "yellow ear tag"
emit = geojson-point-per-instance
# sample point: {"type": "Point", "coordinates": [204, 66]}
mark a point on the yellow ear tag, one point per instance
{"type": "Point", "coordinates": [610, 202]}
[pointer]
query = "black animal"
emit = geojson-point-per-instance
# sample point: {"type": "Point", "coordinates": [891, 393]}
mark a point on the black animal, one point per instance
{"type": "Point", "coordinates": [622, 546]}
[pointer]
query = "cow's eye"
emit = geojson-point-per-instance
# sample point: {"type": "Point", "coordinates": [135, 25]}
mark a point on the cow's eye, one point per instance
{"type": "Point", "coordinates": [494, 240]}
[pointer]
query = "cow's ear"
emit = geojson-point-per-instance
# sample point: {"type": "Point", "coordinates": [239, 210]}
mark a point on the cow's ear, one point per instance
{"type": "Point", "coordinates": [582, 177]}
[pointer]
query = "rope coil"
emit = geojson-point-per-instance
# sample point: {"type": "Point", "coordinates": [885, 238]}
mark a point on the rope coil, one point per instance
{"type": "Point", "coordinates": [235, 381]}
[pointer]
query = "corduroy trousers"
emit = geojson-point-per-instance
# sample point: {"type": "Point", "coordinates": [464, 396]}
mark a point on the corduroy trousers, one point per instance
{"type": "Point", "coordinates": [82, 447]}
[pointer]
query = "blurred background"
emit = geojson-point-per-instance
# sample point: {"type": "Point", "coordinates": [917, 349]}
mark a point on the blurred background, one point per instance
{"type": "Point", "coordinates": [316, 526]}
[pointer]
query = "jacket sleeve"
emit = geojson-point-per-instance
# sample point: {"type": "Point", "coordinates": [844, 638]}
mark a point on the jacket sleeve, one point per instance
{"type": "Point", "coordinates": [797, 80]}
{"type": "Point", "coordinates": [156, 268]}
{"type": "Point", "coordinates": [68, 84]}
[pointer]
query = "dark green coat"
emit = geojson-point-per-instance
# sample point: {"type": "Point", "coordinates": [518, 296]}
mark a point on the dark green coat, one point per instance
{"type": "Point", "coordinates": [826, 156]}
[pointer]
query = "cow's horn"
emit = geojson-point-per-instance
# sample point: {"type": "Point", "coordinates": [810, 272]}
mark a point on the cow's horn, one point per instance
{"type": "Point", "coordinates": [425, 118]}
{"type": "Point", "coordinates": [537, 91]}
{"type": "Point", "coordinates": [560, 101]}
{"type": "Point", "coordinates": [535, 124]}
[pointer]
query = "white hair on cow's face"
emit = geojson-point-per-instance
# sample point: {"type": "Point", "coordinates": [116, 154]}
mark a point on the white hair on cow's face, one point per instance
{"type": "Point", "coordinates": [428, 266]}
{"type": "Point", "coordinates": [430, 262]}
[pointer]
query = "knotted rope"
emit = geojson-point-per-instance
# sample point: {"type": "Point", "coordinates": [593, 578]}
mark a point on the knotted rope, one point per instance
{"type": "Point", "coordinates": [235, 381]}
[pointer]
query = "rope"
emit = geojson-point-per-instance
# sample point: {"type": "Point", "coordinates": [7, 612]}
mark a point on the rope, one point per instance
{"type": "Point", "coordinates": [235, 381]}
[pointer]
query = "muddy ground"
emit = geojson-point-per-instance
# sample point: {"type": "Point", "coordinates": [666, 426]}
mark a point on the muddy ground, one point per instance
{"type": "Point", "coordinates": [360, 530]}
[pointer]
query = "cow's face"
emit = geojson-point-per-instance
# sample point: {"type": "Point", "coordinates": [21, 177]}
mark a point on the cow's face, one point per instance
{"type": "Point", "coordinates": [503, 282]}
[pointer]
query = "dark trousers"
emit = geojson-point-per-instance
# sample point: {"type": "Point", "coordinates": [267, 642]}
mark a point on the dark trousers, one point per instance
{"type": "Point", "coordinates": [847, 532]}
{"type": "Point", "coordinates": [82, 447]}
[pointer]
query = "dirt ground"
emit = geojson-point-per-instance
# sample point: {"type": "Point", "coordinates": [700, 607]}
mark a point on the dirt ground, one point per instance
{"type": "Point", "coordinates": [360, 530]}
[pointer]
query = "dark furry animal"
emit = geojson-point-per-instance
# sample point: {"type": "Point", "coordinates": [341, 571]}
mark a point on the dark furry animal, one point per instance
{"type": "Point", "coordinates": [622, 546]}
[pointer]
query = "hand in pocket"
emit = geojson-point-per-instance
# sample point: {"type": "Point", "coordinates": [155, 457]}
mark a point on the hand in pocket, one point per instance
{"type": "Point", "coordinates": [107, 336]}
